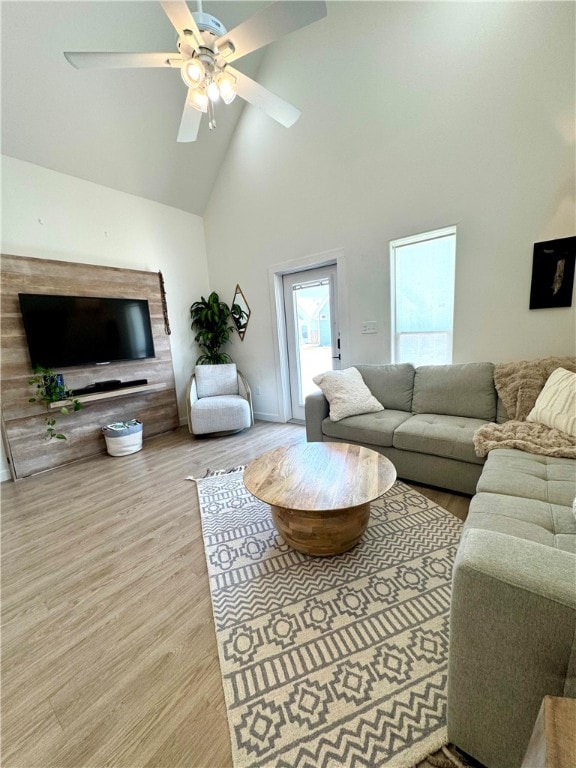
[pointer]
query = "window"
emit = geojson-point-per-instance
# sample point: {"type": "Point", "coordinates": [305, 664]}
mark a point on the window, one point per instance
{"type": "Point", "coordinates": [422, 301]}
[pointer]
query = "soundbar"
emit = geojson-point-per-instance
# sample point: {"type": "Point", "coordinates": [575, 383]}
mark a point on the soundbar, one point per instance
{"type": "Point", "coordinates": [109, 386]}
{"type": "Point", "coordinates": [106, 386]}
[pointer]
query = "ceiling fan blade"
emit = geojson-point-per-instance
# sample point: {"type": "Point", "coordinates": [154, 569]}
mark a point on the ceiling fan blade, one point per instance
{"type": "Point", "coordinates": [274, 21]}
{"type": "Point", "coordinates": [183, 22]}
{"type": "Point", "coordinates": [268, 102]}
{"type": "Point", "coordinates": [121, 60]}
{"type": "Point", "coordinates": [190, 122]}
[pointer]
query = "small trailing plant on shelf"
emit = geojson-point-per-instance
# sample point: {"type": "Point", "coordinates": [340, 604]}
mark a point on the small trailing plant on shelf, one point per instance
{"type": "Point", "coordinates": [50, 389]}
{"type": "Point", "coordinates": [214, 321]}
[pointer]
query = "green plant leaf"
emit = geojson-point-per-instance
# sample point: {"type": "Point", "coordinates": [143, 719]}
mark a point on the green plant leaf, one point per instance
{"type": "Point", "coordinates": [211, 319]}
{"type": "Point", "coordinates": [49, 389]}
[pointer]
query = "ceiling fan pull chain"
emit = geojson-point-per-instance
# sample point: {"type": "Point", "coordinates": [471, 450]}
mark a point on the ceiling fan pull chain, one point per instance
{"type": "Point", "coordinates": [211, 118]}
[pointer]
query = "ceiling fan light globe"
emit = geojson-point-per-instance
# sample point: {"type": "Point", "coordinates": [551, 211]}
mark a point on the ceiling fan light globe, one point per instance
{"type": "Point", "coordinates": [213, 92]}
{"type": "Point", "coordinates": [227, 86]}
{"type": "Point", "coordinates": [199, 99]}
{"type": "Point", "coordinates": [229, 97]}
{"type": "Point", "coordinates": [193, 72]}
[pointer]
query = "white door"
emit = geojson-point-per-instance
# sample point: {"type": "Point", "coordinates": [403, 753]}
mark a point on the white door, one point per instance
{"type": "Point", "coordinates": [311, 330]}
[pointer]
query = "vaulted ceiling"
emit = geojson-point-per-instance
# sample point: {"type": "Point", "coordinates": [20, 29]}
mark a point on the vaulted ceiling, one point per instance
{"type": "Point", "coordinates": [113, 127]}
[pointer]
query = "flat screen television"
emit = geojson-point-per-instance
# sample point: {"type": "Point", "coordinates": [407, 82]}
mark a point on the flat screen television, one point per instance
{"type": "Point", "coordinates": [64, 331]}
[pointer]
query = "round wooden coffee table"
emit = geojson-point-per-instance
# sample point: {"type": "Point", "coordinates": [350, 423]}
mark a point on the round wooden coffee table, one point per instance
{"type": "Point", "coordinates": [320, 493]}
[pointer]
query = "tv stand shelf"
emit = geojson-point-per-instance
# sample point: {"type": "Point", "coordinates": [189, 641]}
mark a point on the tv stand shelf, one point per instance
{"type": "Point", "coordinates": [96, 396]}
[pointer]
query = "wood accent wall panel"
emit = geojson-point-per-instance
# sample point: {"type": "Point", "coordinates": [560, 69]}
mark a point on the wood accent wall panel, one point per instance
{"type": "Point", "coordinates": [24, 423]}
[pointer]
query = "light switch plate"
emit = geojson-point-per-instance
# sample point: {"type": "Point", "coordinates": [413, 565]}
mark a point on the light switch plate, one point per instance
{"type": "Point", "coordinates": [369, 326]}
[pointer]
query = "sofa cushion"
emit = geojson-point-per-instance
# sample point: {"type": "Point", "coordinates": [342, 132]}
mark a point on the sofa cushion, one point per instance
{"type": "Point", "coordinates": [565, 542]}
{"type": "Point", "coordinates": [347, 393]}
{"type": "Point", "coordinates": [213, 380]}
{"type": "Point", "coordinates": [511, 472]}
{"type": "Point", "coordinates": [447, 436]}
{"type": "Point", "coordinates": [555, 406]}
{"type": "Point", "coordinates": [531, 519]}
{"type": "Point", "coordinates": [501, 413]}
{"type": "Point", "coordinates": [221, 413]}
{"type": "Point", "coordinates": [456, 390]}
{"type": "Point", "coordinates": [392, 385]}
{"type": "Point", "coordinates": [369, 428]}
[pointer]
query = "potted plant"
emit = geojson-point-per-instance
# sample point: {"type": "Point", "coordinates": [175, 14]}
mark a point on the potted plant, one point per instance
{"type": "Point", "coordinates": [214, 321]}
{"type": "Point", "coordinates": [50, 389]}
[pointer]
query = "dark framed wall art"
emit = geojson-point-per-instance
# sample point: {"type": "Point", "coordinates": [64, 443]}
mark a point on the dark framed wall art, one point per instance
{"type": "Point", "coordinates": [553, 273]}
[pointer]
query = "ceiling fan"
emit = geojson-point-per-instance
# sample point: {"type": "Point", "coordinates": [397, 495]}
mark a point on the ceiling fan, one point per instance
{"type": "Point", "coordinates": [205, 52]}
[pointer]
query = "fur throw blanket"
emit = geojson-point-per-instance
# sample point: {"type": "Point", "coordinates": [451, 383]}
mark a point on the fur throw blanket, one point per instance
{"type": "Point", "coordinates": [526, 436]}
{"type": "Point", "coordinates": [518, 385]}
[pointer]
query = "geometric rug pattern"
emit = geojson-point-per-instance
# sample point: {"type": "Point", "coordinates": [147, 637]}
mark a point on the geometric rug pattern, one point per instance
{"type": "Point", "coordinates": [334, 661]}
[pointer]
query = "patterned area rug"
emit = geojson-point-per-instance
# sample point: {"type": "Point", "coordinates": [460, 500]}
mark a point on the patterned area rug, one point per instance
{"type": "Point", "coordinates": [337, 661]}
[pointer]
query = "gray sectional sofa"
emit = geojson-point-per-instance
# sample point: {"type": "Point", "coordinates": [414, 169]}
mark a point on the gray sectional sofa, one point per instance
{"type": "Point", "coordinates": [513, 612]}
{"type": "Point", "coordinates": [426, 429]}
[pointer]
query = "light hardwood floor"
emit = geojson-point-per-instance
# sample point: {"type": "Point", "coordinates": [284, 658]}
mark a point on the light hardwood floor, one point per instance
{"type": "Point", "coordinates": [109, 655]}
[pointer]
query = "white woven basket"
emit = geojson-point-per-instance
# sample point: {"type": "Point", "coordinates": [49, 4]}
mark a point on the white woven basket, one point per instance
{"type": "Point", "coordinates": [123, 437]}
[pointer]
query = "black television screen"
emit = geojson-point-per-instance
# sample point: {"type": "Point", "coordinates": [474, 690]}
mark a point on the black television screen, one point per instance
{"type": "Point", "coordinates": [63, 331]}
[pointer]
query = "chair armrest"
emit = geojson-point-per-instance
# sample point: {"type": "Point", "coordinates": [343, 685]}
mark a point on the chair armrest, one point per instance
{"type": "Point", "coordinates": [192, 398]}
{"type": "Point", "coordinates": [512, 630]}
{"type": "Point", "coordinates": [316, 409]}
{"type": "Point", "coordinates": [245, 391]}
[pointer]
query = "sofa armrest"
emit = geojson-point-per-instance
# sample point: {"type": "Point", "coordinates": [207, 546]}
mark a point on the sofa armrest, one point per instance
{"type": "Point", "coordinates": [316, 409]}
{"type": "Point", "coordinates": [512, 630]}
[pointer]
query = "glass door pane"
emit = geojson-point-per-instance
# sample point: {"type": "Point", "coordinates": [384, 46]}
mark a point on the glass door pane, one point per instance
{"type": "Point", "coordinates": [312, 336]}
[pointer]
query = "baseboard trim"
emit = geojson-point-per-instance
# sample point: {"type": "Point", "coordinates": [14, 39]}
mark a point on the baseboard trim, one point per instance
{"type": "Point", "coordinates": [268, 417]}
{"type": "Point", "coordinates": [5, 475]}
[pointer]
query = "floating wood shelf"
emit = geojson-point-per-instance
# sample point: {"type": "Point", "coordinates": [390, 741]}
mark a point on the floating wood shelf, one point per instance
{"type": "Point", "coordinates": [95, 396]}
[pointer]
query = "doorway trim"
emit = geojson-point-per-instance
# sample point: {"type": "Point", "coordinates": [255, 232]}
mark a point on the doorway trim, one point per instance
{"type": "Point", "coordinates": [275, 274]}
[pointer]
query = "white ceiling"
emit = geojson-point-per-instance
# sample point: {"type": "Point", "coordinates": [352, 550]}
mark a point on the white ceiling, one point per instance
{"type": "Point", "coordinates": [116, 128]}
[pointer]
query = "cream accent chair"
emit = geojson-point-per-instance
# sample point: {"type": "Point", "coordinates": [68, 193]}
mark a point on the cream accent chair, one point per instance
{"type": "Point", "coordinates": [220, 401]}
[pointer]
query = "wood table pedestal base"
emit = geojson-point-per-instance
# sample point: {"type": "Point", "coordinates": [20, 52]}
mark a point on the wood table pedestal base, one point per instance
{"type": "Point", "coordinates": [331, 484]}
{"type": "Point", "coordinates": [321, 532]}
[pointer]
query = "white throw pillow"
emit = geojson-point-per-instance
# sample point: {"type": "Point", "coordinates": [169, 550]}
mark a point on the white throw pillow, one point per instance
{"type": "Point", "coordinates": [556, 404]}
{"type": "Point", "coordinates": [347, 393]}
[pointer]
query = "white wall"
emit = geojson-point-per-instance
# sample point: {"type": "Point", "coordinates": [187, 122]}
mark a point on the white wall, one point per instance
{"type": "Point", "coordinates": [54, 216]}
{"type": "Point", "coordinates": [446, 113]}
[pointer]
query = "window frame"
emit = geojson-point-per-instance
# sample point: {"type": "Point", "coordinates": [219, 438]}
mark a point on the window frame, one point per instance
{"type": "Point", "coordinates": [434, 234]}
